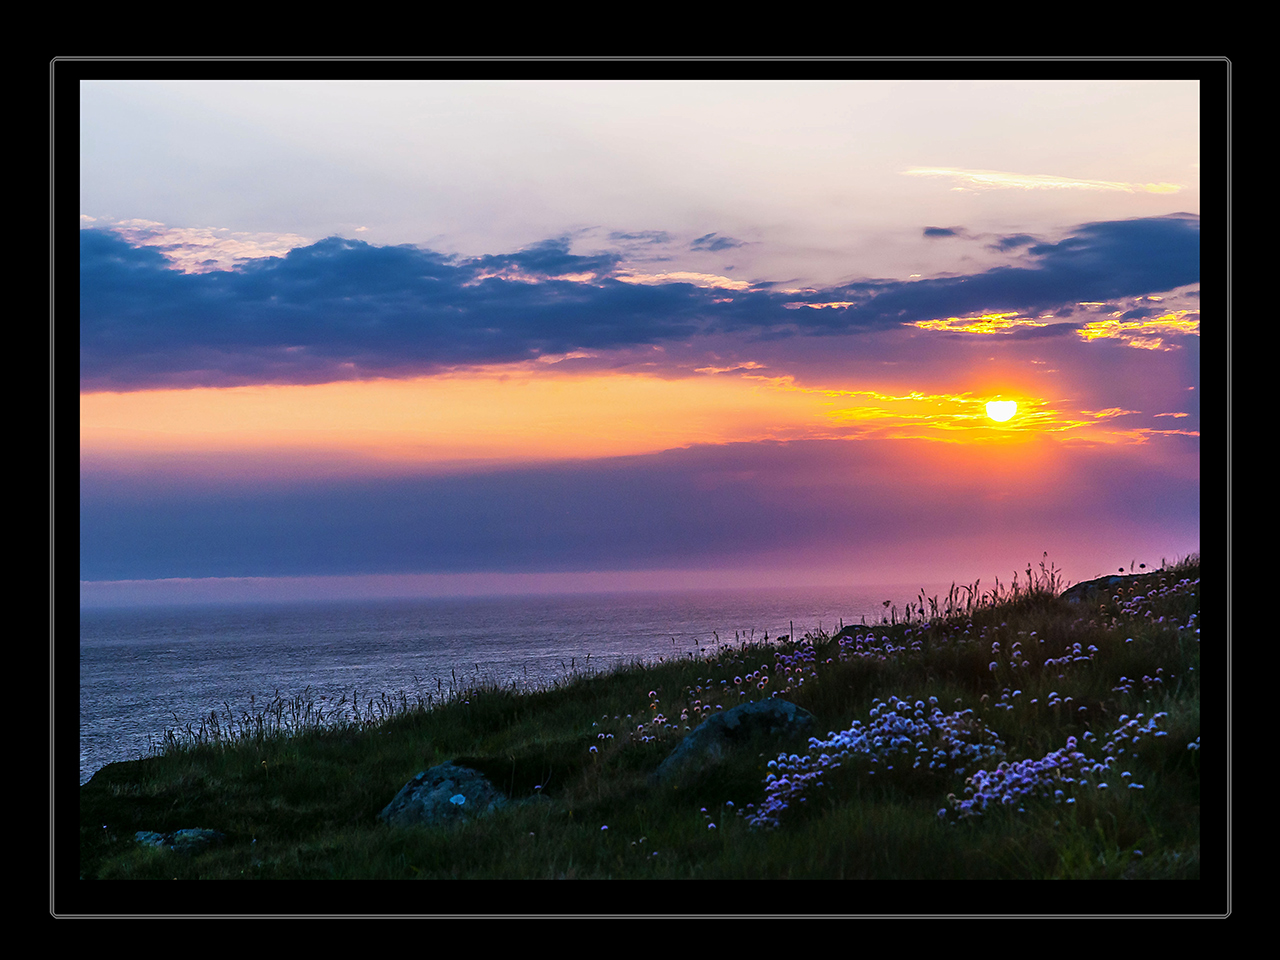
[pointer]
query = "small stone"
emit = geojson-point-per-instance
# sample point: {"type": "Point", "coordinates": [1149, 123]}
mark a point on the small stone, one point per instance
{"type": "Point", "coordinates": [186, 841]}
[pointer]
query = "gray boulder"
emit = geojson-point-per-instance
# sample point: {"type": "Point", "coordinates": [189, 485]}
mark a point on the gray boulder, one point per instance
{"type": "Point", "coordinates": [446, 793]}
{"type": "Point", "coordinates": [721, 733]}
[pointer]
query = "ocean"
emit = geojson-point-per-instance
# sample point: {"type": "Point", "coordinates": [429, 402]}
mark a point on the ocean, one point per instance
{"type": "Point", "coordinates": [145, 670]}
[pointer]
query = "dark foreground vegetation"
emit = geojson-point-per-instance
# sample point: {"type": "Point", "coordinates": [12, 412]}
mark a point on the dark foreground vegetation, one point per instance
{"type": "Point", "coordinates": [1001, 735]}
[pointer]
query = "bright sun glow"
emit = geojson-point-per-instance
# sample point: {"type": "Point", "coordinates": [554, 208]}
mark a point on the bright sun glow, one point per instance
{"type": "Point", "coordinates": [1001, 410]}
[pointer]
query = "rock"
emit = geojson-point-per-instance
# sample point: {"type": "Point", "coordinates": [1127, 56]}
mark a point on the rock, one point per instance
{"type": "Point", "coordinates": [1103, 585]}
{"type": "Point", "coordinates": [722, 732]}
{"type": "Point", "coordinates": [446, 793]}
{"type": "Point", "coordinates": [188, 841]}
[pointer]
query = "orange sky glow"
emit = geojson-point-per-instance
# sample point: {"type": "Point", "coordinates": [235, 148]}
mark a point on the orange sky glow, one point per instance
{"type": "Point", "coordinates": [523, 414]}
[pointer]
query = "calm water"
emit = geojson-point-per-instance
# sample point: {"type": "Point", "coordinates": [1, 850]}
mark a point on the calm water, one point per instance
{"type": "Point", "coordinates": [144, 670]}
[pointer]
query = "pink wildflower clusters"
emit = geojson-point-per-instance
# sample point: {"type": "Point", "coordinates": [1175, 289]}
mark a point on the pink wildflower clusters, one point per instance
{"type": "Point", "coordinates": [697, 710]}
{"type": "Point", "coordinates": [1140, 606]}
{"type": "Point", "coordinates": [1056, 775]}
{"type": "Point", "coordinates": [1131, 731]}
{"type": "Point", "coordinates": [793, 667]}
{"type": "Point", "coordinates": [1011, 783]}
{"type": "Point", "coordinates": [900, 732]}
{"type": "Point", "coordinates": [655, 728]}
{"type": "Point", "coordinates": [1126, 684]}
{"type": "Point", "coordinates": [1076, 654]}
{"type": "Point", "coordinates": [869, 646]}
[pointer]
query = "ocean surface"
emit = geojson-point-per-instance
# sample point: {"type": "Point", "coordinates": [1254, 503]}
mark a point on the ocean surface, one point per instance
{"type": "Point", "coordinates": [145, 670]}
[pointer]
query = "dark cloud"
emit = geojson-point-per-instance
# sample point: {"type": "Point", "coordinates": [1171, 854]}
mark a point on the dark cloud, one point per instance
{"type": "Point", "coordinates": [1099, 262]}
{"type": "Point", "coordinates": [1005, 244]}
{"type": "Point", "coordinates": [1141, 313]}
{"type": "Point", "coordinates": [942, 232]}
{"type": "Point", "coordinates": [343, 309]}
{"type": "Point", "coordinates": [713, 243]}
{"type": "Point", "coordinates": [641, 236]}
{"type": "Point", "coordinates": [549, 258]}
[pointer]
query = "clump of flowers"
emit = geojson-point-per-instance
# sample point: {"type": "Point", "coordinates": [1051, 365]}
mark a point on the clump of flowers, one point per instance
{"type": "Point", "coordinates": [900, 733]}
{"type": "Point", "coordinates": [1009, 783]}
{"type": "Point", "coordinates": [1076, 654]}
{"type": "Point", "coordinates": [869, 646]}
{"type": "Point", "coordinates": [1057, 774]}
{"type": "Point", "coordinates": [1140, 605]}
{"type": "Point", "coordinates": [1146, 606]}
{"type": "Point", "coordinates": [1131, 732]}
{"type": "Point", "coordinates": [1126, 684]}
{"type": "Point", "coordinates": [794, 666]}
{"type": "Point", "coordinates": [658, 727]}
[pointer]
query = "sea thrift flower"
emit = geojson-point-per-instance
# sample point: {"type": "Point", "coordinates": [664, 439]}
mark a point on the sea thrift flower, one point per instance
{"type": "Point", "coordinates": [1055, 773]}
{"type": "Point", "coordinates": [895, 732]}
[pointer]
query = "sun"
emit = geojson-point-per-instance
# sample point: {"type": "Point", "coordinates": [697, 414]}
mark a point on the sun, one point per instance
{"type": "Point", "coordinates": [1001, 410]}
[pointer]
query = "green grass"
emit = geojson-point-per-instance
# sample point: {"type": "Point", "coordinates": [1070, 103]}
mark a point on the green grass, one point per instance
{"type": "Point", "coordinates": [297, 790]}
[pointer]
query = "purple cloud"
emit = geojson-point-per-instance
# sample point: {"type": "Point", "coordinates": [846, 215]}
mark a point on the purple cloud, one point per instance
{"type": "Point", "coordinates": [343, 309]}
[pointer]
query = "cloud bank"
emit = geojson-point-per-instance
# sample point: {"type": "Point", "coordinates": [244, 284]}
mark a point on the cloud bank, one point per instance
{"type": "Point", "coordinates": [342, 309]}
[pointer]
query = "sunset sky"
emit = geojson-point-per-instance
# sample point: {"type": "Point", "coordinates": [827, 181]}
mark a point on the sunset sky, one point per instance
{"type": "Point", "coordinates": [367, 337]}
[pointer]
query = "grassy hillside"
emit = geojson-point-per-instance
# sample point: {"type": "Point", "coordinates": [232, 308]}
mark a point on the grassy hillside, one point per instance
{"type": "Point", "coordinates": [1000, 735]}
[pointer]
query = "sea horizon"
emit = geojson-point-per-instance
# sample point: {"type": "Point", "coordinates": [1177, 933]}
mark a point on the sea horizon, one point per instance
{"type": "Point", "coordinates": [145, 669]}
